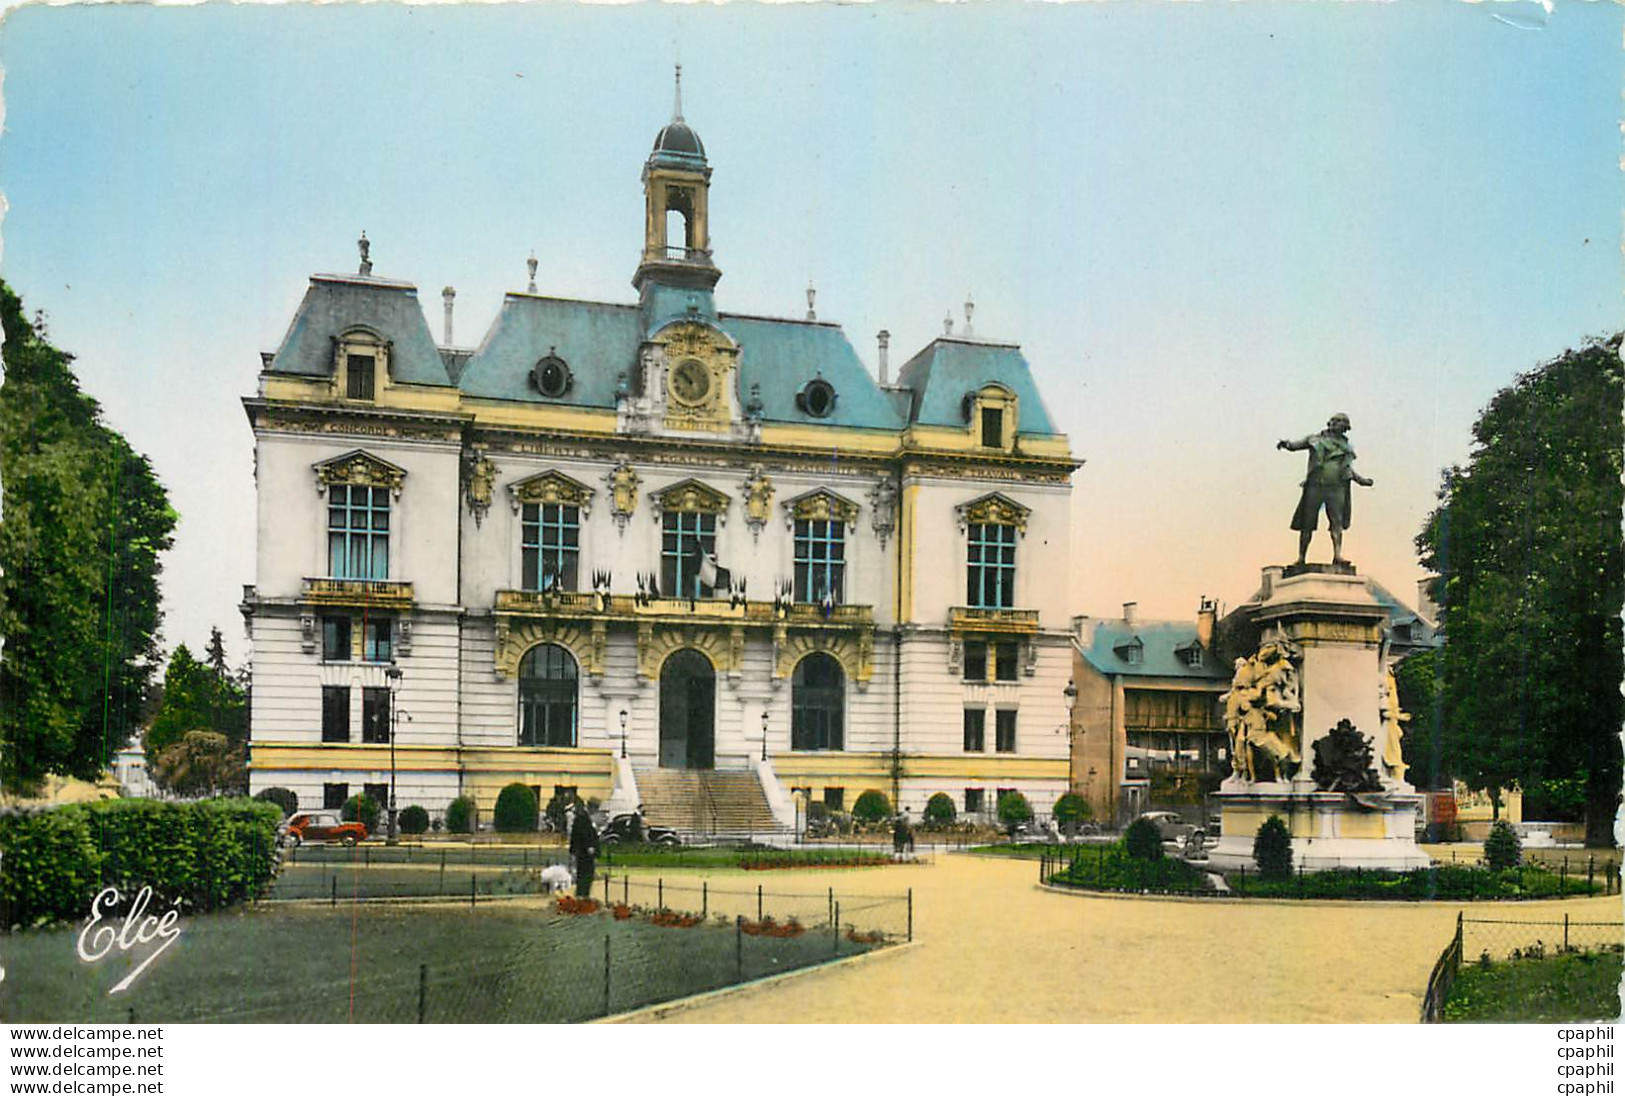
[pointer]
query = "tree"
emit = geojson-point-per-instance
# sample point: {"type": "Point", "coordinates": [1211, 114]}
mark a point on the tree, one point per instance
{"type": "Point", "coordinates": [85, 522]}
{"type": "Point", "coordinates": [1423, 744]}
{"type": "Point", "coordinates": [1014, 810]}
{"type": "Point", "coordinates": [1272, 849]}
{"type": "Point", "coordinates": [198, 696]}
{"type": "Point", "coordinates": [516, 810]}
{"type": "Point", "coordinates": [202, 763]}
{"type": "Point", "coordinates": [1526, 544]}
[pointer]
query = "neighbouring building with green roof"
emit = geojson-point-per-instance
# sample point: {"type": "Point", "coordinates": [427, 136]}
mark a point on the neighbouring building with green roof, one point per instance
{"type": "Point", "coordinates": [651, 551]}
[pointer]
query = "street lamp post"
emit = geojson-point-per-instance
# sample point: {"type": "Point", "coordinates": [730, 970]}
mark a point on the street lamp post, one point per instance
{"type": "Point", "coordinates": [623, 732]}
{"type": "Point", "coordinates": [393, 673]}
{"type": "Point", "coordinates": [764, 734]}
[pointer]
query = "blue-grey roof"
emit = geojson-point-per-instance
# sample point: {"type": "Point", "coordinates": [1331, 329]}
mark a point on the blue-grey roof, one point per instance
{"type": "Point", "coordinates": [945, 371]}
{"type": "Point", "coordinates": [599, 342]}
{"type": "Point", "coordinates": [1423, 634]}
{"type": "Point", "coordinates": [335, 304]}
{"type": "Point", "coordinates": [783, 355]}
{"type": "Point", "coordinates": [1161, 643]}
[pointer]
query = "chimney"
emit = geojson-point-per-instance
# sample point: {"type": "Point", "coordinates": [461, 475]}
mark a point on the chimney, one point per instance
{"type": "Point", "coordinates": [1129, 612]}
{"type": "Point", "coordinates": [1270, 576]}
{"type": "Point", "coordinates": [1206, 617]}
{"type": "Point", "coordinates": [812, 298]}
{"type": "Point", "coordinates": [884, 338]}
{"type": "Point", "coordinates": [448, 295]}
{"type": "Point", "coordinates": [970, 307]}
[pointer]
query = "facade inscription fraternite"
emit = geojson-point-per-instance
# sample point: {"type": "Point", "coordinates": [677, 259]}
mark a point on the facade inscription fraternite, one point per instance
{"type": "Point", "coordinates": [689, 516]}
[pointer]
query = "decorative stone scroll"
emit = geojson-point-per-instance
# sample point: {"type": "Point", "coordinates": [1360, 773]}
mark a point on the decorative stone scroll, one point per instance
{"type": "Point", "coordinates": [689, 497]}
{"type": "Point", "coordinates": [855, 652]}
{"type": "Point", "coordinates": [992, 509]}
{"type": "Point", "coordinates": [820, 504]}
{"type": "Point", "coordinates": [550, 487]}
{"type": "Point", "coordinates": [724, 647]}
{"type": "Point", "coordinates": [359, 469]}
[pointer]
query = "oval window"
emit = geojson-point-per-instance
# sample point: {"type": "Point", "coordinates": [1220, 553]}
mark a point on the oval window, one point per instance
{"type": "Point", "coordinates": [552, 376]}
{"type": "Point", "coordinates": [818, 398]}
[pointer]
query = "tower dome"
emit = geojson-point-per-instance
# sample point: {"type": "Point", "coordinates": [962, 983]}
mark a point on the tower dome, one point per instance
{"type": "Point", "coordinates": [677, 143]}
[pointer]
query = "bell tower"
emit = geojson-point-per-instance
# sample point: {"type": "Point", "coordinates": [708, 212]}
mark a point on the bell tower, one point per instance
{"type": "Point", "coordinates": [676, 230]}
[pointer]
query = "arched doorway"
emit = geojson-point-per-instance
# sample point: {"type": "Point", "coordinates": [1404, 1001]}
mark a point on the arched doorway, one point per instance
{"type": "Point", "coordinates": [818, 704]}
{"type": "Point", "coordinates": [547, 697]}
{"type": "Point", "coordinates": [688, 689]}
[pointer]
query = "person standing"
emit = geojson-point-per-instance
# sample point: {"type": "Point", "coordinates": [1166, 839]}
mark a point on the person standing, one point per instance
{"type": "Point", "coordinates": [584, 848]}
{"type": "Point", "coordinates": [1326, 486]}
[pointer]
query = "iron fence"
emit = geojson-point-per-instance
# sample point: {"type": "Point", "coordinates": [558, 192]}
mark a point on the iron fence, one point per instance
{"type": "Point", "coordinates": [1486, 941]}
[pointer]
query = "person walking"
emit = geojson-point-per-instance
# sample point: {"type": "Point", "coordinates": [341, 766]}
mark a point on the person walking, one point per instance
{"type": "Point", "coordinates": [584, 848]}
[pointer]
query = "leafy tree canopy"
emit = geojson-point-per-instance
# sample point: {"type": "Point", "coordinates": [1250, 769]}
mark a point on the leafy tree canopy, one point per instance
{"type": "Point", "coordinates": [202, 763]}
{"type": "Point", "coordinates": [197, 697]}
{"type": "Point", "coordinates": [85, 522]}
{"type": "Point", "coordinates": [1526, 544]}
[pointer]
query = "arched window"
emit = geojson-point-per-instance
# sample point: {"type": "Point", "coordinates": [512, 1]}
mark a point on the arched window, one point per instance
{"type": "Point", "coordinates": [547, 697]}
{"type": "Point", "coordinates": [818, 704]}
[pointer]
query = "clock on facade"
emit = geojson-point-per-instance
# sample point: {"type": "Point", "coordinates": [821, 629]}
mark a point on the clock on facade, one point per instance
{"type": "Point", "coordinates": [690, 381]}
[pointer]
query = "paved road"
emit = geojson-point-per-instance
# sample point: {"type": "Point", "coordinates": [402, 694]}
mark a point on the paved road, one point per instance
{"type": "Point", "coordinates": [994, 948]}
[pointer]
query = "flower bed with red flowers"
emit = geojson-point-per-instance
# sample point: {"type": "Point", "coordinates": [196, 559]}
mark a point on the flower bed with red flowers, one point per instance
{"type": "Point", "coordinates": [670, 919]}
{"type": "Point", "coordinates": [865, 938]}
{"type": "Point", "coordinates": [571, 904]}
{"type": "Point", "coordinates": [769, 927]}
{"type": "Point", "coordinates": [621, 911]}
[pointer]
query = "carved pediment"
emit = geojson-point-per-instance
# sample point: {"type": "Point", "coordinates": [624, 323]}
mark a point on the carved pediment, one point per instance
{"type": "Point", "coordinates": [359, 469]}
{"type": "Point", "coordinates": [688, 497]}
{"type": "Point", "coordinates": [821, 504]}
{"type": "Point", "coordinates": [992, 509]}
{"type": "Point", "coordinates": [550, 487]}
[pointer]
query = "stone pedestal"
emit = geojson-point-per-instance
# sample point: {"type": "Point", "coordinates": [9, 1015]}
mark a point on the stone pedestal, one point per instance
{"type": "Point", "coordinates": [1330, 616]}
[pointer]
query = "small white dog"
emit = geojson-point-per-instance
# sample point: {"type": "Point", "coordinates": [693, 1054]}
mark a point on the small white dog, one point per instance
{"type": "Point", "coordinates": [557, 877]}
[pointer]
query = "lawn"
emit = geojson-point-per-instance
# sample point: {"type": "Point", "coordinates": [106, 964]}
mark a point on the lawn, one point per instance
{"type": "Point", "coordinates": [315, 964]}
{"type": "Point", "coordinates": [1559, 989]}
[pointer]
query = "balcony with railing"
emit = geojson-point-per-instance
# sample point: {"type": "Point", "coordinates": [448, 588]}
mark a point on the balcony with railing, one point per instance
{"type": "Point", "coordinates": [964, 618]}
{"type": "Point", "coordinates": [366, 593]}
{"type": "Point", "coordinates": [627, 609]}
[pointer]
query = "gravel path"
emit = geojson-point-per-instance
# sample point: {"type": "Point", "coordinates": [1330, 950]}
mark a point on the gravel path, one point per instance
{"type": "Point", "coordinates": [995, 948]}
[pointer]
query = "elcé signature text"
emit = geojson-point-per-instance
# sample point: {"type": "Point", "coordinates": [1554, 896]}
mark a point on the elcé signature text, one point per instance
{"type": "Point", "coordinates": [138, 930]}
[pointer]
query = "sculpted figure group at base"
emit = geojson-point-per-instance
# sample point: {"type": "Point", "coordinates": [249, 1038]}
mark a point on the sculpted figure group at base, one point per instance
{"type": "Point", "coordinates": [1261, 711]}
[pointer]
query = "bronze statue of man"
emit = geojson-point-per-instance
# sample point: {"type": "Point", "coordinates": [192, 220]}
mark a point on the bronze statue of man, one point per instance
{"type": "Point", "coordinates": [1331, 472]}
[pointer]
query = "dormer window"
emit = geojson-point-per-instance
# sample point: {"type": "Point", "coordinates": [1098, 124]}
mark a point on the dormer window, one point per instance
{"type": "Point", "coordinates": [1192, 655]}
{"type": "Point", "coordinates": [817, 398]}
{"type": "Point", "coordinates": [1132, 652]}
{"type": "Point", "coordinates": [993, 427]}
{"type": "Point", "coordinates": [552, 376]}
{"type": "Point", "coordinates": [360, 370]}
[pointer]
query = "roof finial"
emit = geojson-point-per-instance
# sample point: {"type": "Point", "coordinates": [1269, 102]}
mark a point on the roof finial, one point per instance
{"type": "Point", "coordinates": [948, 323]}
{"type": "Point", "coordinates": [530, 265]}
{"type": "Point", "coordinates": [812, 295]}
{"type": "Point", "coordinates": [970, 307]}
{"type": "Point", "coordinates": [677, 101]}
{"type": "Point", "coordinates": [366, 249]}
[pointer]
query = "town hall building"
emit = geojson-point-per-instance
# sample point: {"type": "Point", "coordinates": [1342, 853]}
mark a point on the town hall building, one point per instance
{"type": "Point", "coordinates": [653, 552]}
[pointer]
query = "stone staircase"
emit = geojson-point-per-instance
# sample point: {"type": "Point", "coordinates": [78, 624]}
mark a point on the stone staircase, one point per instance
{"type": "Point", "coordinates": [705, 802]}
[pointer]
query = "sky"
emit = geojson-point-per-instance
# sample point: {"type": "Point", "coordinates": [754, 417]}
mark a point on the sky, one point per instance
{"type": "Point", "coordinates": [1210, 226]}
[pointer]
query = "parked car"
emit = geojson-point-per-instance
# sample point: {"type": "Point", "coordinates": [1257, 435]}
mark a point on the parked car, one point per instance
{"type": "Point", "coordinates": [620, 830]}
{"type": "Point", "coordinates": [1171, 826]}
{"type": "Point", "coordinates": [322, 826]}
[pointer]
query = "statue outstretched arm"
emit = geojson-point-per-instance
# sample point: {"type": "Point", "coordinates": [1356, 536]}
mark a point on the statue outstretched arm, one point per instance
{"type": "Point", "coordinates": [1287, 443]}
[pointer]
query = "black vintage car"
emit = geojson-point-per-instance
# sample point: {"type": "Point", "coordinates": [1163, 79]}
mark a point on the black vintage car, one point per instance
{"type": "Point", "coordinates": [623, 830]}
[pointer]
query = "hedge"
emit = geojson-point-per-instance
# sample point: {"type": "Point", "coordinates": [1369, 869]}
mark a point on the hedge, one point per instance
{"type": "Point", "coordinates": [201, 856]}
{"type": "Point", "coordinates": [516, 810]}
{"type": "Point", "coordinates": [871, 807]}
{"type": "Point", "coordinates": [414, 820]}
{"type": "Point", "coordinates": [460, 815]}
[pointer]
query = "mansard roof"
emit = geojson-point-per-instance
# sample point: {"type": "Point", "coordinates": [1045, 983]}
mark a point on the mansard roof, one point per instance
{"type": "Point", "coordinates": [1162, 644]}
{"type": "Point", "coordinates": [941, 375]}
{"type": "Point", "coordinates": [335, 304]}
{"type": "Point", "coordinates": [600, 342]}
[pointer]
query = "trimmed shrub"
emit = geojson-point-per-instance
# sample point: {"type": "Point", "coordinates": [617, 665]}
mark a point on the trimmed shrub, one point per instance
{"type": "Point", "coordinates": [460, 815]}
{"type": "Point", "coordinates": [817, 810]}
{"type": "Point", "coordinates": [361, 808]}
{"type": "Point", "coordinates": [1502, 848]}
{"type": "Point", "coordinates": [872, 806]}
{"type": "Point", "coordinates": [558, 818]}
{"type": "Point", "coordinates": [1272, 849]}
{"type": "Point", "coordinates": [201, 856]}
{"type": "Point", "coordinates": [1072, 808]}
{"type": "Point", "coordinates": [516, 811]}
{"type": "Point", "coordinates": [414, 819]}
{"type": "Point", "coordinates": [1143, 840]}
{"type": "Point", "coordinates": [1014, 810]}
{"type": "Point", "coordinates": [939, 810]}
{"type": "Point", "coordinates": [286, 798]}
